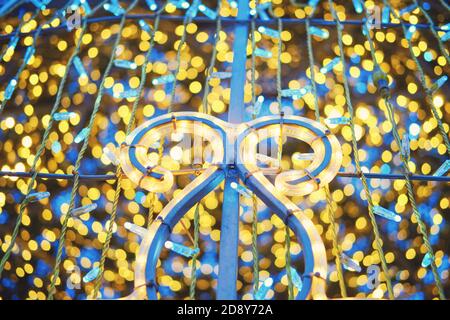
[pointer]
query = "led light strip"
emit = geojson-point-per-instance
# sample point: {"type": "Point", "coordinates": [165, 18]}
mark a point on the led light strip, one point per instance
{"type": "Point", "coordinates": [227, 139]}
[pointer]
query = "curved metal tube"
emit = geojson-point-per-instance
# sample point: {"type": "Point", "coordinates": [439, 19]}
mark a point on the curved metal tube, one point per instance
{"type": "Point", "coordinates": [237, 144]}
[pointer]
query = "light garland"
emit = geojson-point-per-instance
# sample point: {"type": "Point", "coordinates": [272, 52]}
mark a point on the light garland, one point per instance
{"type": "Point", "coordinates": [163, 170]}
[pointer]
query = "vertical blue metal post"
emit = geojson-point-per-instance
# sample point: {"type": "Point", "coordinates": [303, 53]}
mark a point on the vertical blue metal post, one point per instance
{"type": "Point", "coordinates": [229, 238]}
{"type": "Point", "coordinates": [229, 235]}
{"type": "Point", "coordinates": [236, 109]}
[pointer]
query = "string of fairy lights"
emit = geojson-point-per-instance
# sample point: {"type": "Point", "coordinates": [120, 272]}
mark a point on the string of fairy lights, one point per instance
{"type": "Point", "coordinates": [45, 230]}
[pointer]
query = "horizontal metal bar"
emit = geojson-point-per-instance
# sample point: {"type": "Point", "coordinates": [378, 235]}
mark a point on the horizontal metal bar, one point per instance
{"type": "Point", "coordinates": [225, 20]}
{"type": "Point", "coordinates": [384, 176]}
{"type": "Point", "coordinates": [62, 176]}
{"type": "Point", "coordinates": [187, 171]}
{"type": "Point", "coordinates": [100, 177]}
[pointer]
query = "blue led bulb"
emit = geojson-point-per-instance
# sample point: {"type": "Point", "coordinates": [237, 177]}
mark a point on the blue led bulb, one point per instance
{"type": "Point", "coordinates": [220, 75]}
{"type": "Point", "coordinates": [302, 92]}
{"type": "Point", "coordinates": [60, 116]}
{"type": "Point", "coordinates": [125, 64]}
{"type": "Point", "coordinates": [258, 104]}
{"type": "Point", "coordinates": [442, 169]}
{"type": "Point", "coordinates": [163, 79]}
{"type": "Point", "coordinates": [56, 146]}
{"type": "Point", "coordinates": [78, 64]}
{"type": "Point", "coordinates": [426, 261]}
{"type": "Point", "coordinates": [181, 249]}
{"type": "Point", "coordinates": [10, 88]}
{"type": "Point", "coordinates": [151, 4]}
{"type": "Point", "coordinates": [37, 196]}
{"type": "Point", "coordinates": [127, 94]}
{"type": "Point", "coordinates": [114, 9]}
{"type": "Point", "coordinates": [261, 10]}
{"type": "Point", "coordinates": [193, 9]}
{"type": "Point", "coordinates": [82, 135]}
{"type": "Point", "coordinates": [233, 4]}
{"type": "Point", "coordinates": [358, 6]}
{"type": "Point", "coordinates": [338, 120]}
{"type": "Point", "coordinates": [313, 3]}
{"type": "Point", "coordinates": [91, 275]}
{"type": "Point", "coordinates": [140, 231]}
{"type": "Point", "coordinates": [290, 92]}
{"type": "Point", "coordinates": [439, 83]}
{"type": "Point", "coordinates": [207, 12]}
{"type": "Point", "coordinates": [296, 279]}
{"type": "Point", "coordinates": [241, 189]}
{"type": "Point", "coordinates": [269, 32]}
{"type": "Point", "coordinates": [13, 42]}
{"type": "Point", "coordinates": [263, 289]}
{"type": "Point", "coordinates": [262, 53]}
{"type": "Point", "coordinates": [144, 26]}
{"type": "Point", "coordinates": [83, 210]}
{"type": "Point", "coordinates": [406, 148]}
{"type": "Point", "coordinates": [385, 213]}
{"type": "Point", "coordinates": [408, 9]}
{"type": "Point", "coordinates": [321, 33]}
{"type": "Point", "coordinates": [386, 15]}
{"type": "Point", "coordinates": [330, 65]}
{"type": "Point", "coordinates": [410, 32]}
{"type": "Point", "coordinates": [28, 54]}
{"type": "Point", "coordinates": [180, 4]}
{"type": "Point", "coordinates": [349, 264]}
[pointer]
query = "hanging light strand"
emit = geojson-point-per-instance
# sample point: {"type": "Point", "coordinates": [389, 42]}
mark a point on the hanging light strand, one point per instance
{"type": "Point", "coordinates": [193, 284]}
{"type": "Point", "coordinates": [330, 209]}
{"type": "Point", "coordinates": [17, 31]}
{"type": "Point", "coordinates": [98, 100]}
{"type": "Point", "coordinates": [432, 28]}
{"type": "Point", "coordinates": [153, 197]}
{"type": "Point", "coordinates": [279, 95]}
{"type": "Point", "coordinates": [255, 254]}
{"type": "Point", "coordinates": [378, 240]}
{"type": "Point", "coordinates": [205, 106]}
{"type": "Point", "coordinates": [385, 94]}
{"type": "Point", "coordinates": [186, 21]}
{"type": "Point", "coordinates": [119, 173]}
{"type": "Point", "coordinates": [30, 51]}
{"type": "Point", "coordinates": [41, 147]}
{"type": "Point", "coordinates": [280, 153]}
{"type": "Point", "coordinates": [287, 241]}
{"type": "Point", "coordinates": [428, 91]}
